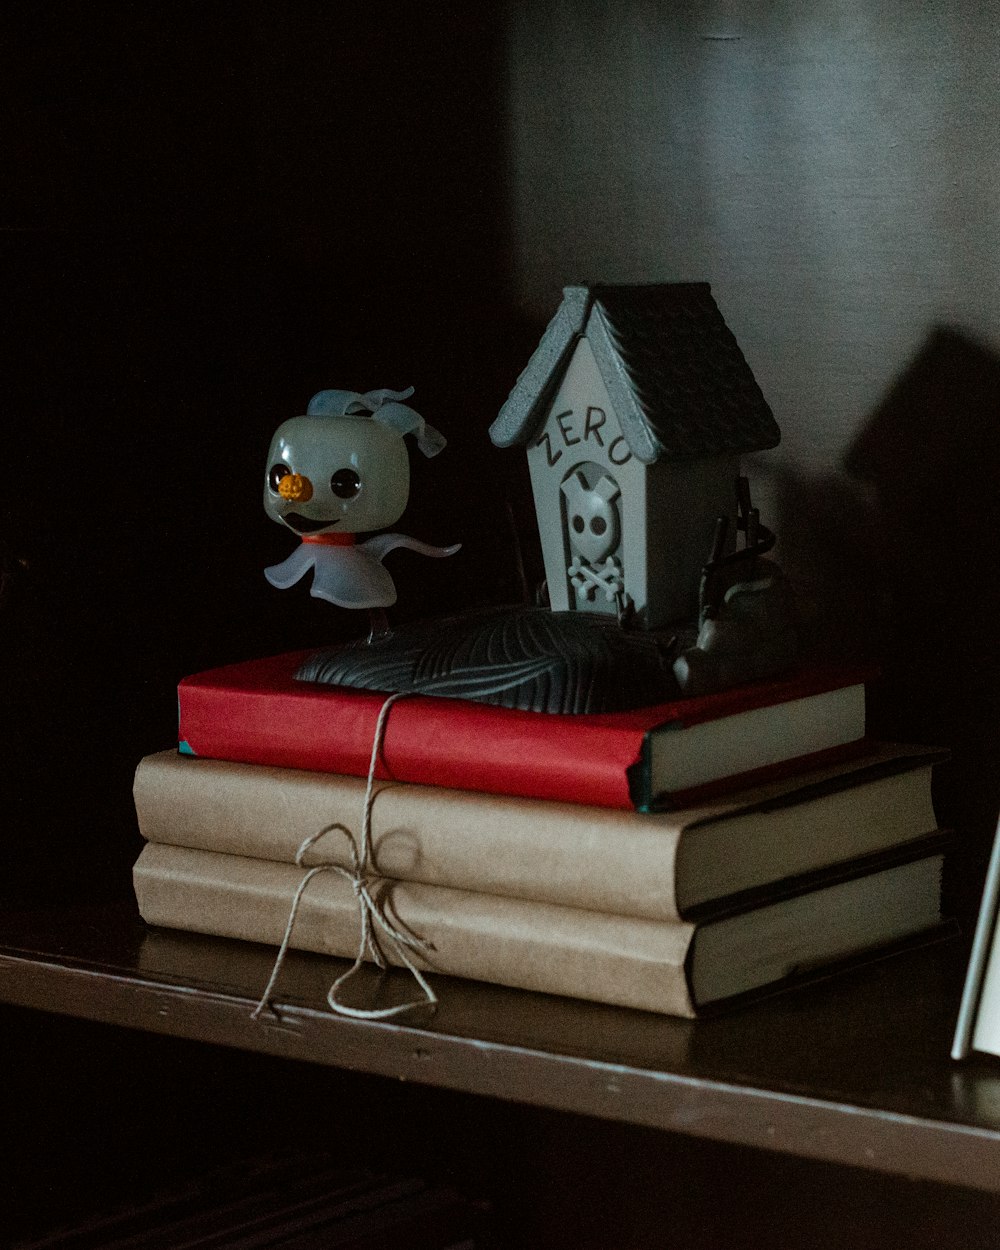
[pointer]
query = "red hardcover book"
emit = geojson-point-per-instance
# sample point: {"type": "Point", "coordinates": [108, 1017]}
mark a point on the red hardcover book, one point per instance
{"type": "Point", "coordinates": [258, 713]}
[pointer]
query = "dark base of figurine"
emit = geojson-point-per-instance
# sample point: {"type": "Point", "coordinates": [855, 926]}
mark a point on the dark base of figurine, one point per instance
{"type": "Point", "coordinates": [537, 660]}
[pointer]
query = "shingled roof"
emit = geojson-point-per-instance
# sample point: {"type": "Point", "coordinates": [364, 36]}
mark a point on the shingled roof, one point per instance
{"type": "Point", "coordinates": [676, 376]}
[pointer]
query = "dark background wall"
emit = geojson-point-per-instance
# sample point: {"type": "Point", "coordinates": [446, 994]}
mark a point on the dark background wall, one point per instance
{"type": "Point", "coordinates": [209, 213]}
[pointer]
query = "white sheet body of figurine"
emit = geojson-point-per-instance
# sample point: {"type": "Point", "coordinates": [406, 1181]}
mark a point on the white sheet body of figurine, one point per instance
{"type": "Point", "coordinates": [340, 470]}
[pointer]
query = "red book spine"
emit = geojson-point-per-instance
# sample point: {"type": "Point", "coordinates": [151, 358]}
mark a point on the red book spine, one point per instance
{"type": "Point", "coordinates": [257, 713]}
{"type": "Point", "coordinates": [440, 742]}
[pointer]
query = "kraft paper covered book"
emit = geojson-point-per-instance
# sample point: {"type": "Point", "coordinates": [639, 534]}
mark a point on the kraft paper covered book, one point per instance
{"type": "Point", "coordinates": [660, 866]}
{"type": "Point", "coordinates": [669, 967]}
{"type": "Point", "coordinates": [258, 713]}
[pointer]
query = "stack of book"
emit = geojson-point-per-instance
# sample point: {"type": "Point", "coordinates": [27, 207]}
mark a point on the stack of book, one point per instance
{"type": "Point", "coordinates": [672, 859]}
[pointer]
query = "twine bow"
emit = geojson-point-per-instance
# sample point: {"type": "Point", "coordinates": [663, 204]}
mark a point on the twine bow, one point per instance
{"type": "Point", "coordinates": [376, 927]}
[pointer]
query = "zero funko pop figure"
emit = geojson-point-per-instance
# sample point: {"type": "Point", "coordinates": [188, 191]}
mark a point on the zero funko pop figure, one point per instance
{"type": "Point", "coordinates": [341, 470]}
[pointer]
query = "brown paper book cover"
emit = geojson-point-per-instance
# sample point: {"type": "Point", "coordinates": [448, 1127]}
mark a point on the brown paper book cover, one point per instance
{"type": "Point", "coordinates": [669, 967]}
{"type": "Point", "coordinates": [656, 866]}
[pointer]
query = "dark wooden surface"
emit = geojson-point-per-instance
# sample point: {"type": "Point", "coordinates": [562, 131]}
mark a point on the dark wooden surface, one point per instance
{"type": "Point", "coordinates": [853, 1070]}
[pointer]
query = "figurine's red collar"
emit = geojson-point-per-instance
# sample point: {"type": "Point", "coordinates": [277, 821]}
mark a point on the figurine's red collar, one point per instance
{"type": "Point", "coordinates": [333, 539]}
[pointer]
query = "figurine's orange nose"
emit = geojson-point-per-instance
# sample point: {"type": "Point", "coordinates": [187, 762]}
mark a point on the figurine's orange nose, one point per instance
{"type": "Point", "coordinates": [295, 486]}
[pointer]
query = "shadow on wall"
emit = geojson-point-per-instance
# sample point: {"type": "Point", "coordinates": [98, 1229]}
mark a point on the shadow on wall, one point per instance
{"type": "Point", "coordinates": [899, 562]}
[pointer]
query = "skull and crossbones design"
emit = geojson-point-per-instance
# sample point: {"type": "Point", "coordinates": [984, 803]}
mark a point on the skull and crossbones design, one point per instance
{"type": "Point", "coordinates": [594, 531]}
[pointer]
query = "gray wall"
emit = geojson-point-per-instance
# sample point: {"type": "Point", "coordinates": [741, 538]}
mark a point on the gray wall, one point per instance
{"type": "Point", "coordinates": [832, 169]}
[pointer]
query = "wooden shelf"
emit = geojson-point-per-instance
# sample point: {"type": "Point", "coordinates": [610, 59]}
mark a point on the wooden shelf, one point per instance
{"type": "Point", "coordinates": [853, 1070]}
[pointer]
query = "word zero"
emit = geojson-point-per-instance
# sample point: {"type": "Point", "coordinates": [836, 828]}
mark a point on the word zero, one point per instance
{"type": "Point", "coordinates": [567, 429]}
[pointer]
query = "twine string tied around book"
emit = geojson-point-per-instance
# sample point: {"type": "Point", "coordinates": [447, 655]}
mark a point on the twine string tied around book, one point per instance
{"type": "Point", "coordinates": [375, 925]}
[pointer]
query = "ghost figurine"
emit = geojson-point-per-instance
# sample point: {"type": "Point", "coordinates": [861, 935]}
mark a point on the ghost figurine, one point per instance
{"type": "Point", "coordinates": [341, 470]}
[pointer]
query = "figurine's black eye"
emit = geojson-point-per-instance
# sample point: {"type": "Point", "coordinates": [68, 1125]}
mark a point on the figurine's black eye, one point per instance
{"type": "Point", "coordinates": [578, 524]}
{"type": "Point", "coordinates": [598, 525]}
{"type": "Point", "coordinates": [345, 483]}
{"type": "Point", "coordinates": [277, 472]}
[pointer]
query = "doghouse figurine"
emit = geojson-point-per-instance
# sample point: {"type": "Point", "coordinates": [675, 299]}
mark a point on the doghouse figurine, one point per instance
{"type": "Point", "coordinates": [635, 409]}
